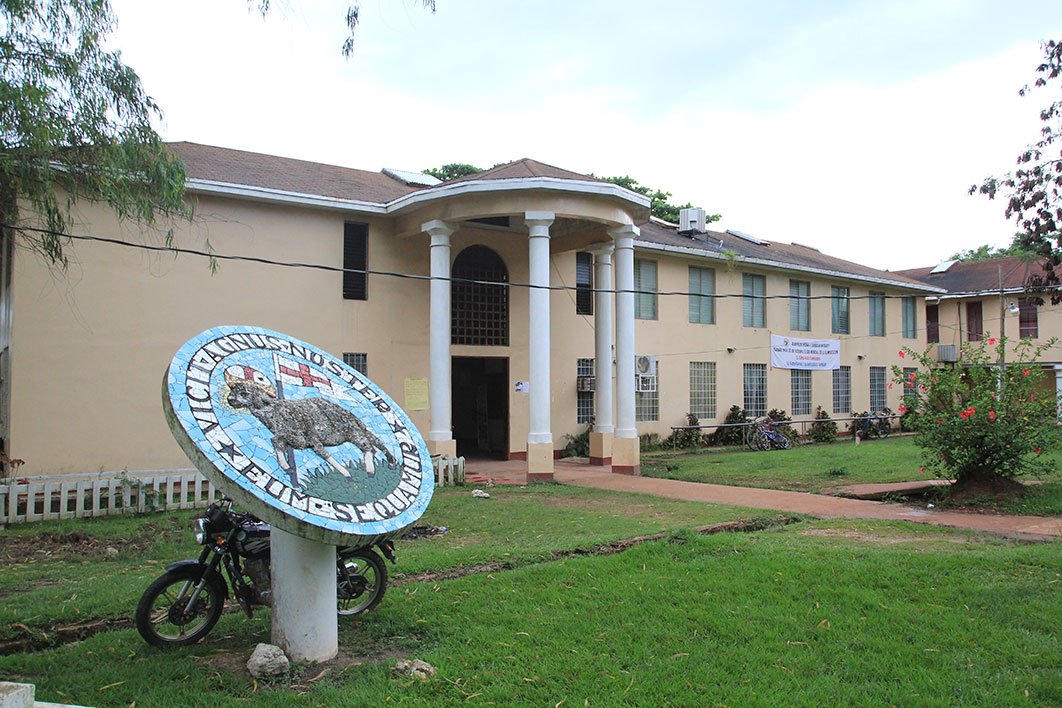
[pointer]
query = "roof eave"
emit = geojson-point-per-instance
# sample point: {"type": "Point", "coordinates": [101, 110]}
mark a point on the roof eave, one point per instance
{"type": "Point", "coordinates": [787, 266]}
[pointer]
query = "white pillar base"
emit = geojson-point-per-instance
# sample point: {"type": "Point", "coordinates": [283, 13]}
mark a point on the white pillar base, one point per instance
{"type": "Point", "coordinates": [304, 597]}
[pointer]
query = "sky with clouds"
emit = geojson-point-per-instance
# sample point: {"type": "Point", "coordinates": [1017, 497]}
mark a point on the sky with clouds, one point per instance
{"type": "Point", "coordinates": [853, 127]}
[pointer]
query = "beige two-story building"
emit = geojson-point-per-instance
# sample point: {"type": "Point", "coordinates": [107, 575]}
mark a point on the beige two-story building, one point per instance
{"type": "Point", "coordinates": [527, 301]}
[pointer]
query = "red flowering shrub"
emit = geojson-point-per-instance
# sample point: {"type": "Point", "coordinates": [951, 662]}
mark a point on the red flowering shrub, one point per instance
{"type": "Point", "coordinates": [976, 421]}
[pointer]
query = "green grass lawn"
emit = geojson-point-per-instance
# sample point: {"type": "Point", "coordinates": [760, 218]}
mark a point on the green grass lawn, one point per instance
{"type": "Point", "coordinates": [824, 467]}
{"type": "Point", "coordinates": [845, 613]}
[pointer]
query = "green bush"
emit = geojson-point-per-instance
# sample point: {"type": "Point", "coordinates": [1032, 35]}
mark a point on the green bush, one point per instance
{"type": "Point", "coordinates": [687, 439]}
{"type": "Point", "coordinates": [577, 445]}
{"type": "Point", "coordinates": [980, 421]}
{"type": "Point", "coordinates": [823, 430]}
{"type": "Point", "coordinates": [731, 436]}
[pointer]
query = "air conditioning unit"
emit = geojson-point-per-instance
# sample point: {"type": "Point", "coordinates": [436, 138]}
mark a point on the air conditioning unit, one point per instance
{"type": "Point", "coordinates": [645, 365]}
{"type": "Point", "coordinates": [947, 352]}
{"type": "Point", "coordinates": [646, 383]}
{"type": "Point", "coordinates": [692, 221]}
{"type": "Point", "coordinates": [585, 383]}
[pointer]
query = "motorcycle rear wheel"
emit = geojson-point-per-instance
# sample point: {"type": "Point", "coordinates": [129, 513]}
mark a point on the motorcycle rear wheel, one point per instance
{"type": "Point", "coordinates": [162, 615]}
{"type": "Point", "coordinates": [361, 582]}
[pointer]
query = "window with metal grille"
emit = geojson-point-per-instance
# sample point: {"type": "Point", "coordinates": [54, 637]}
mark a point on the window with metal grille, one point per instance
{"type": "Point", "coordinates": [644, 279]}
{"type": "Point", "coordinates": [932, 324]}
{"type": "Point", "coordinates": [479, 310]}
{"type": "Point", "coordinates": [702, 389]}
{"type": "Point", "coordinates": [877, 314]}
{"type": "Point", "coordinates": [584, 284]}
{"type": "Point", "coordinates": [842, 390]}
{"type": "Point", "coordinates": [974, 325]}
{"type": "Point", "coordinates": [799, 305]}
{"type": "Point", "coordinates": [800, 383]}
{"type": "Point", "coordinates": [702, 283]}
{"type": "Point", "coordinates": [584, 400]}
{"type": "Point", "coordinates": [910, 318]}
{"type": "Point", "coordinates": [753, 306]}
{"type": "Point", "coordinates": [877, 388]}
{"type": "Point", "coordinates": [647, 403]}
{"type": "Point", "coordinates": [355, 258]}
{"type": "Point", "coordinates": [910, 376]}
{"type": "Point", "coordinates": [839, 307]}
{"type": "Point", "coordinates": [1028, 326]}
{"type": "Point", "coordinates": [755, 376]}
{"type": "Point", "coordinates": [357, 361]}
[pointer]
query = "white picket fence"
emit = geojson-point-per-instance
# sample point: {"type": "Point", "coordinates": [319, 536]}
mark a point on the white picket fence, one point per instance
{"type": "Point", "coordinates": [80, 496]}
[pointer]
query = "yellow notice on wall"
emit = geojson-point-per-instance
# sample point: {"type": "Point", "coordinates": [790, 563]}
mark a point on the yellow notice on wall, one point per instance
{"type": "Point", "coordinates": [416, 394]}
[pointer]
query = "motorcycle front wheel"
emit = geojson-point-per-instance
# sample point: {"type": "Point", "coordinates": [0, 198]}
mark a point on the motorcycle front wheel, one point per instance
{"type": "Point", "coordinates": [168, 616]}
{"type": "Point", "coordinates": [361, 582]}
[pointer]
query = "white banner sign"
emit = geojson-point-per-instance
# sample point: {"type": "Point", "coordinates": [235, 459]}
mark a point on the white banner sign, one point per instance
{"type": "Point", "coordinates": [790, 353]}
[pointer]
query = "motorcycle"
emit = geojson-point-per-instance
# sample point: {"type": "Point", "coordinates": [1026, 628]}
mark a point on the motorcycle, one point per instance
{"type": "Point", "coordinates": [184, 604]}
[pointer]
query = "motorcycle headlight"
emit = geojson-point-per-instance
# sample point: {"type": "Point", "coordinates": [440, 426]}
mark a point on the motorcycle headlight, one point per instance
{"type": "Point", "coordinates": [200, 536]}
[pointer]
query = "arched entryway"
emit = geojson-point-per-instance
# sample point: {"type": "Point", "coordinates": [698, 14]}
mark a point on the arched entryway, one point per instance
{"type": "Point", "coordinates": [480, 388]}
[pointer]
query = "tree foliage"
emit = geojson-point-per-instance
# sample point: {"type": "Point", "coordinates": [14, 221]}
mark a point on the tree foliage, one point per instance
{"type": "Point", "coordinates": [979, 422]}
{"type": "Point", "coordinates": [660, 208]}
{"type": "Point", "coordinates": [75, 123]}
{"type": "Point", "coordinates": [1034, 190]}
{"type": "Point", "coordinates": [986, 252]}
{"type": "Point", "coordinates": [352, 19]}
{"type": "Point", "coordinates": [452, 171]}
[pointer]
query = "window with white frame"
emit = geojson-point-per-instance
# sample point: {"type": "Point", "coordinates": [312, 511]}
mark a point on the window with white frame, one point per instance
{"type": "Point", "coordinates": [910, 374]}
{"type": "Point", "coordinates": [647, 396]}
{"type": "Point", "coordinates": [755, 379]}
{"type": "Point", "coordinates": [753, 304]}
{"type": "Point", "coordinates": [644, 280]}
{"type": "Point", "coordinates": [910, 317]}
{"type": "Point", "coordinates": [584, 394]}
{"type": "Point", "coordinates": [839, 307]}
{"type": "Point", "coordinates": [702, 389]}
{"type": "Point", "coordinates": [842, 390]}
{"type": "Point", "coordinates": [799, 305]}
{"type": "Point", "coordinates": [877, 314]}
{"type": "Point", "coordinates": [877, 388]}
{"type": "Point", "coordinates": [800, 383]}
{"type": "Point", "coordinates": [702, 285]}
{"type": "Point", "coordinates": [358, 361]}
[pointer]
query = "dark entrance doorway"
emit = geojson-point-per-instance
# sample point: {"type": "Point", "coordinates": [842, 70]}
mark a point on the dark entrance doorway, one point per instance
{"type": "Point", "coordinates": [480, 402]}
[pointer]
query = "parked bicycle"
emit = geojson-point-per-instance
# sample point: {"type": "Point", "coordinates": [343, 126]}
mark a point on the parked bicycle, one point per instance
{"type": "Point", "coordinates": [875, 425]}
{"type": "Point", "coordinates": [763, 434]}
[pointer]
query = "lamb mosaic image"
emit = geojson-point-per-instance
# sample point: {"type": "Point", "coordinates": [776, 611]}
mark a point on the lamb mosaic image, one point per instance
{"type": "Point", "coordinates": [300, 431]}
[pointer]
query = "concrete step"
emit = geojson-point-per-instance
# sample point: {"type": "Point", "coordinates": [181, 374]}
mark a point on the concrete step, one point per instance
{"type": "Point", "coordinates": [23, 695]}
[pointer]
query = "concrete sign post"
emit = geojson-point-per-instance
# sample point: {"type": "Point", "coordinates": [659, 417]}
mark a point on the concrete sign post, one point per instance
{"type": "Point", "coordinates": [309, 445]}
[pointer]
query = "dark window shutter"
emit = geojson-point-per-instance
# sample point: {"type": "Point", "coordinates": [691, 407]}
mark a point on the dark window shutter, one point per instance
{"type": "Point", "coordinates": [584, 294]}
{"type": "Point", "coordinates": [974, 327]}
{"type": "Point", "coordinates": [355, 258]}
{"type": "Point", "coordinates": [932, 324]}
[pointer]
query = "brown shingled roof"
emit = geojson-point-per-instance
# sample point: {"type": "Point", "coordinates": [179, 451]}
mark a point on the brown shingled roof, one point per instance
{"type": "Point", "coordinates": [281, 173]}
{"type": "Point", "coordinates": [784, 254]}
{"type": "Point", "coordinates": [522, 169]}
{"type": "Point", "coordinates": [979, 276]}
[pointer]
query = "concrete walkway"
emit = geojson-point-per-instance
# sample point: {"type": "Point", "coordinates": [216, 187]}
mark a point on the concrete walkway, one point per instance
{"type": "Point", "coordinates": [579, 473]}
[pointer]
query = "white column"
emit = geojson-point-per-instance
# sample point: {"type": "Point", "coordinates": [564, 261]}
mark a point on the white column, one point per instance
{"type": "Point", "coordinates": [603, 337]}
{"type": "Point", "coordinates": [304, 597]}
{"type": "Point", "coordinates": [440, 436]}
{"type": "Point", "coordinates": [538, 223]}
{"type": "Point", "coordinates": [1058, 392]}
{"type": "Point", "coordinates": [624, 240]}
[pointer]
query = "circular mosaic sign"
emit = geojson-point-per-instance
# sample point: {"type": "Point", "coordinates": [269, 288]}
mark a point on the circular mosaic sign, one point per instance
{"type": "Point", "coordinates": [297, 437]}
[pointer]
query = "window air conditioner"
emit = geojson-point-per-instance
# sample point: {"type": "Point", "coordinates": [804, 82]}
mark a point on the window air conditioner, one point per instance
{"type": "Point", "coordinates": [585, 383]}
{"type": "Point", "coordinates": [947, 352]}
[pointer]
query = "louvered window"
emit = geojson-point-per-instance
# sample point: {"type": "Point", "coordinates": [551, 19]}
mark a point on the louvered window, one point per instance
{"type": "Point", "coordinates": [584, 284]}
{"type": "Point", "coordinates": [753, 306]}
{"type": "Point", "coordinates": [355, 261]}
